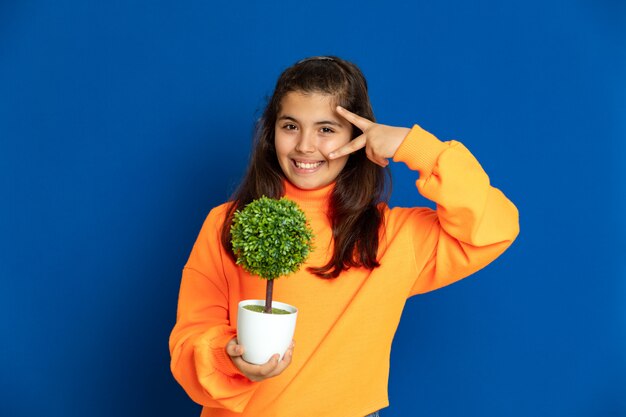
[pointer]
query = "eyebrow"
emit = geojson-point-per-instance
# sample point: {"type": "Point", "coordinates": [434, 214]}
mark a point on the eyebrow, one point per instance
{"type": "Point", "coordinates": [321, 122]}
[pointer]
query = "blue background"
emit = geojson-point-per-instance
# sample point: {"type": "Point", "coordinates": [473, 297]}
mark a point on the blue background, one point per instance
{"type": "Point", "coordinates": [123, 123]}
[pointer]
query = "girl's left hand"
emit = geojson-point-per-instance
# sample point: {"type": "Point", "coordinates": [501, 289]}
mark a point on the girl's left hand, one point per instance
{"type": "Point", "coordinates": [380, 141]}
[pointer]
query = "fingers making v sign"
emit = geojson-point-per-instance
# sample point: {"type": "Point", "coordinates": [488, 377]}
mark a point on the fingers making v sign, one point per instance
{"type": "Point", "coordinates": [380, 141]}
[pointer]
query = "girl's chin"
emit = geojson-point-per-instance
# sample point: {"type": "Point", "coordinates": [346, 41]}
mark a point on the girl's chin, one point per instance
{"type": "Point", "coordinates": [308, 185]}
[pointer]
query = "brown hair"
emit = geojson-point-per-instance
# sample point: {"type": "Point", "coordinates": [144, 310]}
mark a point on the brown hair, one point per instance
{"type": "Point", "coordinates": [354, 212]}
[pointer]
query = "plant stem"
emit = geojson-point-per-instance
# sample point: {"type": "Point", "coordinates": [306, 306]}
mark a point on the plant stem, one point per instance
{"type": "Point", "coordinates": [269, 289]}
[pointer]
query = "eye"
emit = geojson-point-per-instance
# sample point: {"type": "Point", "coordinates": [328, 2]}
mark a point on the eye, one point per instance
{"type": "Point", "coordinates": [327, 130]}
{"type": "Point", "coordinates": [290, 126]}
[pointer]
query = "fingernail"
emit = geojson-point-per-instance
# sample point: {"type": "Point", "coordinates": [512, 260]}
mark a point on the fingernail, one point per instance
{"type": "Point", "coordinates": [331, 155]}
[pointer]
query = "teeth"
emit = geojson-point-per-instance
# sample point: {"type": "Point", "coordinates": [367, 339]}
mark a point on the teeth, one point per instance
{"type": "Point", "coordinates": [306, 165]}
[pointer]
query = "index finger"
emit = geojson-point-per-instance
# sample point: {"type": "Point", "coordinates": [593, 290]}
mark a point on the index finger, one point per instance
{"type": "Point", "coordinates": [256, 372]}
{"type": "Point", "coordinates": [284, 362]}
{"type": "Point", "coordinates": [360, 122]}
{"type": "Point", "coordinates": [269, 367]}
{"type": "Point", "coordinates": [352, 146]}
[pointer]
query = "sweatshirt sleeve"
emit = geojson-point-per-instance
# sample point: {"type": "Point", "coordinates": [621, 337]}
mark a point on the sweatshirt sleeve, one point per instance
{"type": "Point", "coordinates": [199, 361]}
{"type": "Point", "coordinates": [474, 222]}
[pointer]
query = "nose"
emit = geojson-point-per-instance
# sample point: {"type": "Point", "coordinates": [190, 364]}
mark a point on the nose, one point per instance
{"type": "Point", "coordinates": [306, 142]}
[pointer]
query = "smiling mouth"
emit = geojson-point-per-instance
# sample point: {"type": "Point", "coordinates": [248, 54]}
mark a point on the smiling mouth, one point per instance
{"type": "Point", "coordinates": [307, 165]}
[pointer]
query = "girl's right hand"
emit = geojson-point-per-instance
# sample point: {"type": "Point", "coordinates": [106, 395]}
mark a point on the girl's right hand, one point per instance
{"type": "Point", "coordinates": [258, 373]}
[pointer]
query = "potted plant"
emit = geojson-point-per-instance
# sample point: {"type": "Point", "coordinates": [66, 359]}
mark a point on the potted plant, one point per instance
{"type": "Point", "coordinates": [271, 239]}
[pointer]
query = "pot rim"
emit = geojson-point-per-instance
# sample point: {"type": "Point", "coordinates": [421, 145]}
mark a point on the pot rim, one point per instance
{"type": "Point", "coordinates": [275, 304]}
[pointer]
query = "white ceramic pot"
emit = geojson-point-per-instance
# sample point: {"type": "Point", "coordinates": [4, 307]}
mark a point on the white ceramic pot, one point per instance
{"type": "Point", "coordinates": [263, 335]}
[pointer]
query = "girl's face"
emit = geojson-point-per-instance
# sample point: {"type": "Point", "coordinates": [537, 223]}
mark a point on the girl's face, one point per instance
{"type": "Point", "coordinates": [307, 129]}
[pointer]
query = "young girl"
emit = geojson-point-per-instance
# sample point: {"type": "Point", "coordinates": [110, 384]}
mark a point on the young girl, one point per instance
{"type": "Point", "coordinates": [317, 144]}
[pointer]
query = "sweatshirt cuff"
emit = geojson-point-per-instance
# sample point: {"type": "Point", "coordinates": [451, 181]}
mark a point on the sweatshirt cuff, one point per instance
{"type": "Point", "coordinates": [419, 151]}
{"type": "Point", "coordinates": [216, 374]}
{"type": "Point", "coordinates": [221, 360]}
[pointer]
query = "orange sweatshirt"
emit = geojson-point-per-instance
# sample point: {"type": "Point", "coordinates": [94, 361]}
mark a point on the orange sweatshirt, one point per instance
{"type": "Point", "coordinates": [346, 325]}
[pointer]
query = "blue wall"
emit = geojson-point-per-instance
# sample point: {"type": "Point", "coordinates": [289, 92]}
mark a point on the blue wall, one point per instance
{"type": "Point", "coordinates": [123, 123]}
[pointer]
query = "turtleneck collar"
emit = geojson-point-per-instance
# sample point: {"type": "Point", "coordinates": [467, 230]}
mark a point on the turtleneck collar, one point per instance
{"type": "Point", "coordinates": [309, 200]}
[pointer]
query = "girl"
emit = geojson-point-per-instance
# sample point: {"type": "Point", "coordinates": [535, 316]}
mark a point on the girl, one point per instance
{"type": "Point", "coordinates": [317, 144]}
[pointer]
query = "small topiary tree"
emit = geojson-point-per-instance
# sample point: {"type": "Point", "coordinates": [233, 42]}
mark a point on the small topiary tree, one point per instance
{"type": "Point", "coordinates": [271, 238]}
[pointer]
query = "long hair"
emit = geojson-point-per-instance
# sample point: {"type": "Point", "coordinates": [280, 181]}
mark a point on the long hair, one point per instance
{"type": "Point", "coordinates": [354, 213]}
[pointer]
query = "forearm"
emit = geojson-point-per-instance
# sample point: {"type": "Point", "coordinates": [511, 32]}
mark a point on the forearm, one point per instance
{"type": "Point", "coordinates": [474, 223]}
{"type": "Point", "coordinates": [203, 328]}
{"type": "Point", "coordinates": [204, 370]}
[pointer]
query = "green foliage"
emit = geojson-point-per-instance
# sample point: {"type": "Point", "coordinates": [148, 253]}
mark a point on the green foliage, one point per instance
{"type": "Point", "coordinates": [271, 238]}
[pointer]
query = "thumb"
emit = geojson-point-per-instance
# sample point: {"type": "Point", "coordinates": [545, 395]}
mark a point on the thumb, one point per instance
{"type": "Point", "coordinates": [233, 349]}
